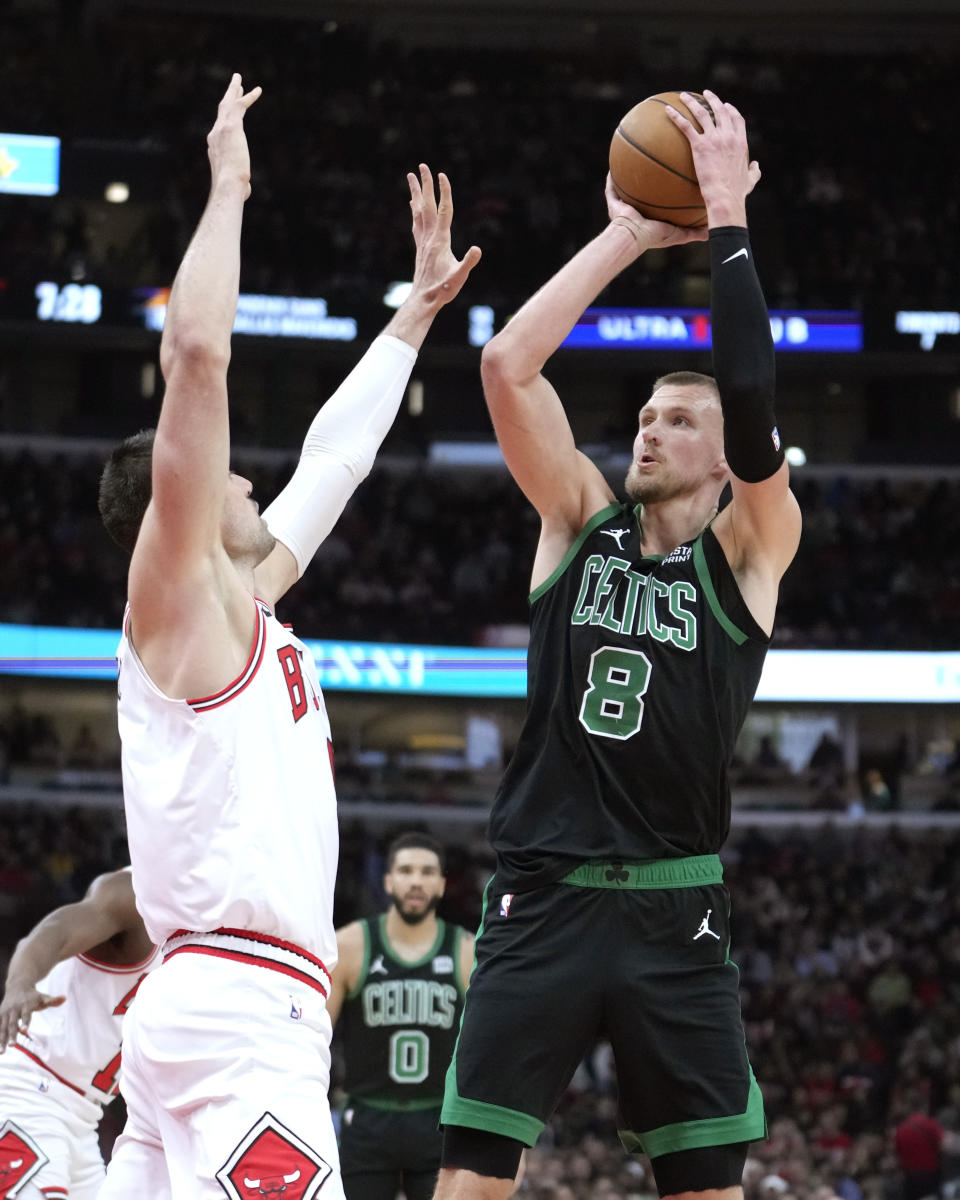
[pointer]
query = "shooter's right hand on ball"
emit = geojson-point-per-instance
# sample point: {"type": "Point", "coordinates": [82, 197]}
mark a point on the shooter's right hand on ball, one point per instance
{"type": "Point", "coordinates": [649, 235]}
{"type": "Point", "coordinates": [227, 142]}
{"type": "Point", "coordinates": [726, 173]}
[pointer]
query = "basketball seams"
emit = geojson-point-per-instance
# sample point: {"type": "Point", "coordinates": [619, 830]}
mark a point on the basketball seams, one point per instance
{"type": "Point", "coordinates": [653, 158]}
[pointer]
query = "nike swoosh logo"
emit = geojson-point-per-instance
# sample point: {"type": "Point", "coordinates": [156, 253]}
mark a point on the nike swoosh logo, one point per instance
{"type": "Point", "coordinates": [742, 250]}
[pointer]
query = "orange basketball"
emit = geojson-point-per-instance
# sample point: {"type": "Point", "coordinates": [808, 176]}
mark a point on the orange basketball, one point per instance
{"type": "Point", "coordinates": [651, 164]}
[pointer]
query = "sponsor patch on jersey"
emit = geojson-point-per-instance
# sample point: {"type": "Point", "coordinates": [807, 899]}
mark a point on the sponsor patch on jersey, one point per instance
{"type": "Point", "coordinates": [272, 1161]}
{"type": "Point", "coordinates": [443, 965]}
{"type": "Point", "coordinates": [20, 1159]}
{"type": "Point", "coordinates": [680, 555]}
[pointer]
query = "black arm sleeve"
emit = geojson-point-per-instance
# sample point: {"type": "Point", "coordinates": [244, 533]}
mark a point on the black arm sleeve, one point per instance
{"type": "Point", "coordinates": [743, 361]}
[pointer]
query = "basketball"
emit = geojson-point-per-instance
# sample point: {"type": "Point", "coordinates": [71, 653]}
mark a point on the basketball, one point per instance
{"type": "Point", "coordinates": [651, 163]}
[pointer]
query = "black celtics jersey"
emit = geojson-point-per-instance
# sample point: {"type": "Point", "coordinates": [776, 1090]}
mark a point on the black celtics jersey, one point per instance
{"type": "Point", "coordinates": [399, 1024]}
{"type": "Point", "coordinates": [640, 673]}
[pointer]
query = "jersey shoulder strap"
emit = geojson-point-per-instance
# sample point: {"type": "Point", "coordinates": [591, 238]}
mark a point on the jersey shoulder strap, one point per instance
{"type": "Point", "coordinates": [365, 964]}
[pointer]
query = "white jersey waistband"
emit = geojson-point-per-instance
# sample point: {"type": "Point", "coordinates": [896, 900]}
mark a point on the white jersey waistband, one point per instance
{"type": "Point", "coordinates": [254, 949]}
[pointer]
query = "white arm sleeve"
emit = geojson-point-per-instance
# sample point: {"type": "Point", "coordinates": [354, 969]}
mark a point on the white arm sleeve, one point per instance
{"type": "Point", "coordinates": [340, 447]}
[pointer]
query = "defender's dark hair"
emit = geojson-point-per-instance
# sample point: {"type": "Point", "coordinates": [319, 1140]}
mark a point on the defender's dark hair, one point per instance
{"type": "Point", "coordinates": [125, 488]}
{"type": "Point", "coordinates": [686, 379]}
{"type": "Point", "coordinates": [416, 841]}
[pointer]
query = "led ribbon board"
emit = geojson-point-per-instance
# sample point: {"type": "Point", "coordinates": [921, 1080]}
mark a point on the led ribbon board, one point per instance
{"type": "Point", "coordinates": [690, 329]}
{"type": "Point", "coordinates": [789, 676]}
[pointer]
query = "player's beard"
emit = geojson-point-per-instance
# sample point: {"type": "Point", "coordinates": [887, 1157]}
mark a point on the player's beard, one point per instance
{"type": "Point", "coordinates": [415, 918]}
{"type": "Point", "coordinates": [643, 490]}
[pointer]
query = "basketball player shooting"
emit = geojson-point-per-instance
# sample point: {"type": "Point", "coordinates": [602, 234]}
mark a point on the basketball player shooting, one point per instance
{"type": "Point", "coordinates": [607, 915]}
{"type": "Point", "coordinates": [226, 755]}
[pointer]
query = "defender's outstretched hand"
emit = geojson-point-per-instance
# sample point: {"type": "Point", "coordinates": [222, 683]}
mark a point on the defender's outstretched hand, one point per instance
{"type": "Point", "coordinates": [725, 171]}
{"type": "Point", "coordinates": [227, 141]}
{"type": "Point", "coordinates": [650, 235]}
{"type": "Point", "coordinates": [19, 1004]}
{"type": "Point", "coordinates": [438, 275]}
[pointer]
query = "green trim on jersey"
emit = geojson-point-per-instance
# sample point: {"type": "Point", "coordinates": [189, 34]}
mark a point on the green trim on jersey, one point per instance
{"type": "Point", "coordinates": [703, 574]}
{"type": "Point", "coordinates": [410, 962]}
{"type": "Point", "coordinates": [584, 533]}
{"type": "Point", "coordinates": [478, 1114]}
{"type": "Point", "coordinates": [692, 871]}
{"type": "Point", "coordinates": [450, 1080]}
{"type": "Point", "coordinates": [365, 965]}
{"type": "Point", "coordinates": [748, 1126]}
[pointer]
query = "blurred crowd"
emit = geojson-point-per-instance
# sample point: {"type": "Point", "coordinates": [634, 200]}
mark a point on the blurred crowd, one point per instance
{"type": "Point", "coordinates": [848, 943]}
{"type": "Point", "coordinates": [843, 136]}
{"type": "Point", "coordinates": [441, 558]}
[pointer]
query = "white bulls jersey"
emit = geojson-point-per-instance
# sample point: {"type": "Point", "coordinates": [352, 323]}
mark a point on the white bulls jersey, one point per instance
{"type": "Point", "coordinates": [79, 1040]}
{"type": "Point", "coordinates": [231, 811]}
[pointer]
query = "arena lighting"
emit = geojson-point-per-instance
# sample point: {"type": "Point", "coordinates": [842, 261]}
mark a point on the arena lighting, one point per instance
{"type": "Point", "coordinates": [117, 192]}
{"type": "Point", "coordinates": [928, 325]}
{"type": "Point", "coordinates": [789, 676]}
{"type": "Point", "coordinates": [795, 456]}
{"type": "Point", "coordinates": [480, 327]}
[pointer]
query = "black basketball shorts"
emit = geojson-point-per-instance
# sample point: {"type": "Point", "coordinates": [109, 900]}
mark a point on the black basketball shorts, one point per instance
{"type": "Point", "coordinates": [385, 1149]}
{"type": "Point", "coordinates": [637, 954]}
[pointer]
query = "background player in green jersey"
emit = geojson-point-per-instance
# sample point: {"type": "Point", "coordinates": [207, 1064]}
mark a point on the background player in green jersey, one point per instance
{"type": "Point", "coordinates": [396, 1001]}
{"type": "Point", "coordinates": [607, 915]}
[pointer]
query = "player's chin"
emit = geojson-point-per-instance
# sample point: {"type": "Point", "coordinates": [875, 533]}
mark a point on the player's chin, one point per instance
{"type": "Point", "coordinates": [637, 486]}
{"type": "Point", "coordinates": [265, 542]}
{"type": "Point", "coordinates": [643, 488]}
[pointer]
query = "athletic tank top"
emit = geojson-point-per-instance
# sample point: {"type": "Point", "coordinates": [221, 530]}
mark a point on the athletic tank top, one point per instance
{"type": "Point", "coordinates": [79, 1040]}
{"type": "Point", "coordinates": [399, 1024]}
{"type": "Point", "coordinates": [639, 676]}
{"type": "Point", "coordinates": [231, 811]}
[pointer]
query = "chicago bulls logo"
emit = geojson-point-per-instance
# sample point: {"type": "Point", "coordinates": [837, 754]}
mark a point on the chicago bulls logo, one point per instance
{"type": "Point", "coordinates": [20, 1159]}
{"type": "Point", "coordinates": [273, 1163]}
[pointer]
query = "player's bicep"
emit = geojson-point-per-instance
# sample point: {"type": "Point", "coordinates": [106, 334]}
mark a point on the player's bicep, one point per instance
{"type": "Point", "coordinates": [76, 928]}
{"type": "Point", "coordinates": [338, 993]}
{"type": "Point", "coordinates": [191, 460]}
{"type": "Point", "coordinates": [113, 897]}
{"type": "Point", "coordinates": [346, 974]}
{"type": "Point", "coordinates": [537, 442]}
{"type": "Point", "coordinates": [765, 523]}
{"type": "Point", "coordinates": [166, 583]}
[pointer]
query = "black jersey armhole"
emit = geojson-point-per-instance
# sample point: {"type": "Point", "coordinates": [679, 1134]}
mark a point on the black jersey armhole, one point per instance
{"type": "Point", "coordinates": [597, 519]}
{"type": "Point", "coordinates": [745, 628]}
{"type": "Point", "coordinates": [365, 965]}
